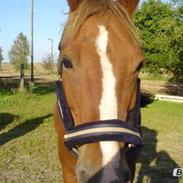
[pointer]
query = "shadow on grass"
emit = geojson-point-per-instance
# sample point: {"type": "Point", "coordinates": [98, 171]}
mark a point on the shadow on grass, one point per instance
{"type": "Point", "coordinates": [44, 88]}
{"type": "Point", "coordinates": [156, 167]}
{"type": "Point", "coordinates": [6, 119]}
{"type": "Point", "coordinates": [174, 89]}
{"type": "Point", "coordinates": [7, 87]}
{"type": "Point", "coordinates": [22, 129]}
{"type": "Point", "coordinates": [146, 99]}
{"type": "Point", "coordinates": [40, 88]}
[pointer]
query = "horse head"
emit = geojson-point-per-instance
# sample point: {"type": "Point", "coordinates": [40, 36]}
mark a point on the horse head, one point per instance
{"type": "Point", "coordinates": [100, 58]}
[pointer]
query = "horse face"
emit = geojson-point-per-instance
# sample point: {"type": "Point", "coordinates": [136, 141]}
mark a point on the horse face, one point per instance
{"type": "Point", "coordinates": [101, 61]}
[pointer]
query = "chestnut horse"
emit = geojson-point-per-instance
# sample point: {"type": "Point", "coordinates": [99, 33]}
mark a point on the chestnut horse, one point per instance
{"type": "Point", "coordinates": [100, 59]}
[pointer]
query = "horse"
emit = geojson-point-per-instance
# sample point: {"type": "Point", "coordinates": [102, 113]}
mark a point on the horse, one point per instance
{"type": "Point", "coordinates": [98, 91]}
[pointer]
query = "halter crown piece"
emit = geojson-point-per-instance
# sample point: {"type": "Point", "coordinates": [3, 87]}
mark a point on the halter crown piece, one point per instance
{"type": "Point", "coordinates": [102, 130]}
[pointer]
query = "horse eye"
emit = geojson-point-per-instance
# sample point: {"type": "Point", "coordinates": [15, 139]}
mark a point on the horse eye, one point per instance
{"type": "Point", "coordinates": [67, 63]}
{"type": "Point", "coordinates": [140, 66]}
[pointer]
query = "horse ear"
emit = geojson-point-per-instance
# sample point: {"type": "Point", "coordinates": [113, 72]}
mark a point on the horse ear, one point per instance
{"type": "Point", "coordinates": [130, 5]}
{"type": "Point", "coordinates": [73, 4]}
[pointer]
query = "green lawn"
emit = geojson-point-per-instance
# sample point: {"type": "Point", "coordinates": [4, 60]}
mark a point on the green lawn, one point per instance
{"type": "Point", "coordinates": [163, 135]}
{"type": "Point", "coordinates": [28, 149]}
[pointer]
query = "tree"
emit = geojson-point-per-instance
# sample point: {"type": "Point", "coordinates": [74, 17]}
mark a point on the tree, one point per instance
{"type": "Point", "coordinates": [20, 51]}
{"type": "Point", "coordinates": [177, 42]}
{"type": "Point", "coordinates": [160, 26]}
{"type": "Point", "coordinates": [1, 57]}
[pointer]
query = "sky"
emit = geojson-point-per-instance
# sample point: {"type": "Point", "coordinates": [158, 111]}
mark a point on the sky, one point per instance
{"type": "Point", "coordinates": [49, 19]}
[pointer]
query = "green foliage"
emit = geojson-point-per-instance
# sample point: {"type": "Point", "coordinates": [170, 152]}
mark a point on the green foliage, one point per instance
{"type": "Point", "coordinates": [160, 26]}
{"type": "Point", "coordinates": [1, 57]}
{"type": "Point", "coordinates": [20, 51]}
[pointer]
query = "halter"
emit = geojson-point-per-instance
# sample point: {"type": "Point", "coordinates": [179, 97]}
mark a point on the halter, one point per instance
{"type": "Point", "coordinates": [102, 130]}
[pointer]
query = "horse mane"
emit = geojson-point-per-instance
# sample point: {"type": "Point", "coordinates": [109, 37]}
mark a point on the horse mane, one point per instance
{"type": "Point", "coordinates": [90, 7]}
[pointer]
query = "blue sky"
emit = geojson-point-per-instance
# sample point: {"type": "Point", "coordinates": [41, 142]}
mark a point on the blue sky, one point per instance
{"type": "Point", "coordinates": [48, 23]}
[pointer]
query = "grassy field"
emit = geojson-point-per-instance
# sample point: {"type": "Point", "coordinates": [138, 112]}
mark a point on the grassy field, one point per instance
{"type": "Point", "coordinates": [9, 70]}
{"type": "Point", "coordinates": [163, 133]}
{"type": "Point", "coordinates": [28, 149]}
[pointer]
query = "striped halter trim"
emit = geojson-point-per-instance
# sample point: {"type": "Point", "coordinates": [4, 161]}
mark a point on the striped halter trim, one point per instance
{"type": "Point", "coordinates": [103, 130]}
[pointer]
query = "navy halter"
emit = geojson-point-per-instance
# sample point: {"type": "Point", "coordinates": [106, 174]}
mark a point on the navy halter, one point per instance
{"type": "Point", "coordinates": [103, 130]}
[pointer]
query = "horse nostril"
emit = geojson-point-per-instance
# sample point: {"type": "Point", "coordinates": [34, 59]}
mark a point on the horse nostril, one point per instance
{"type": "Point", "coordinates": [103, 177]}
{"type": "Point", "coordinates": [83, 176]}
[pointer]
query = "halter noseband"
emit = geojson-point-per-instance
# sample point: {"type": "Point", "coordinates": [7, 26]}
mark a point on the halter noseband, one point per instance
{"type": "Point", "coordinates": [103, 130]}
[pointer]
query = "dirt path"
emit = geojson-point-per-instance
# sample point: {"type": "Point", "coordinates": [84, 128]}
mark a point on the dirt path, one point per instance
{"type": "Point", "coordinates": [161, 87]}
{"type": "Point", "coordinates": [42, 75]}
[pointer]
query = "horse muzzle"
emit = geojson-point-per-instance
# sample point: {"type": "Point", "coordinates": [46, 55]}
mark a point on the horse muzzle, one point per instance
{"type": "Point", "coordinates": [106, 175]}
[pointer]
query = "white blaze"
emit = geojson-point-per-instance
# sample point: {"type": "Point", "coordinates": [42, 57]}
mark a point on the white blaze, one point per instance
{"type": "Point", "coordinates": [108, 103]}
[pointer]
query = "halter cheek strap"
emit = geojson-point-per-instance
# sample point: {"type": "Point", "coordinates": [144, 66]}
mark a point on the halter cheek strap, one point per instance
{"type": "Point", "coordinates": [64, 109]}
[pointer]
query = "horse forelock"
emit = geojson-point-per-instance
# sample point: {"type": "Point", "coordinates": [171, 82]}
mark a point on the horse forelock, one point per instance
{"type": "Point", "coordinates": [106, 7]}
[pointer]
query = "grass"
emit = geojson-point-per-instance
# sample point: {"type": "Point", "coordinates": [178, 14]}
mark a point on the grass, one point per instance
{"type": "Point", "coordinates": [166, 78]}
{"type": "Point", "coordinates": [162, 130]}
{"type": "Point", "coordinates": [155, 77]}
{"type": "Point", "coordinates": [28, 149]}
{"type": "Point", "coordinates": [9, 69]}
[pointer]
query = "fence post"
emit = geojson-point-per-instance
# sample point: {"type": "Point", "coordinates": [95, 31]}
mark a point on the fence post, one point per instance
{"type": "Point", "coordinates": [21, 89]}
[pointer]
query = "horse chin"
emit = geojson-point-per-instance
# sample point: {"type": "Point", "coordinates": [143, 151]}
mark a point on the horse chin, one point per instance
{"type": "Point", "coordinates": [101, 177]}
